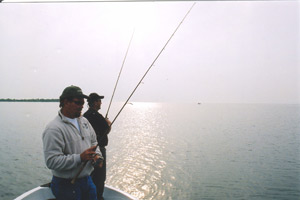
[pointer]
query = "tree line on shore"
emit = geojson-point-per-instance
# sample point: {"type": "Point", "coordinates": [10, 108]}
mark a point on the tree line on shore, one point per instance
{"type": "Point", "coordinates": [29, 100]}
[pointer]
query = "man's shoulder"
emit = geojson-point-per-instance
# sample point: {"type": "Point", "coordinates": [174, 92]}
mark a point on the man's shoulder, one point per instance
{"type": "Point", "coordinates": [56, 122]}
{"type": "Point", "coordinates": [89, 112]}
{"type": "Point", "coordinates": [54, 127]}
{"type": "Point", "coordinates": [92, 113]}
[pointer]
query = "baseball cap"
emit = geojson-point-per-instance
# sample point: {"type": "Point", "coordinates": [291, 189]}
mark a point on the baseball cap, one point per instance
{"type": "Point", "coordinates": [73, 91]}
{"type": "Point", "coordinates": [94, 96]}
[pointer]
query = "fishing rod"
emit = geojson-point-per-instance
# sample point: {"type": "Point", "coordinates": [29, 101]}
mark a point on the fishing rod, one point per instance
{"type": "Point", "coordinates": [152, 63]}
{"type": "Point", "coordinates": [119, 74]}
{"type": "Point", "coordinates": [82, 167]}
{"type": "Point", "coordinates": [85, 163]}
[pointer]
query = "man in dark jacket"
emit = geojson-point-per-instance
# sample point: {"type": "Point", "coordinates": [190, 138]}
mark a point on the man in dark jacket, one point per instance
{"type": "Point", "coordinates": [102, 128]}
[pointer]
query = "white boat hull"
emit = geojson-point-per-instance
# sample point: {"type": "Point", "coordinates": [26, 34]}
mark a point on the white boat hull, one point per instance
{"type": "Point", "coordinates": [44, 192]}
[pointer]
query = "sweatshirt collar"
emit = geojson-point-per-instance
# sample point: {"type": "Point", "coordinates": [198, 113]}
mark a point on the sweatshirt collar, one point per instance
{"type": "Point", "coordinates": [64, 118]}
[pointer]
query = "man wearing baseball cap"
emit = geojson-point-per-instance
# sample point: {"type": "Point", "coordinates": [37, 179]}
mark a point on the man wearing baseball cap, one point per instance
{"type": "Point", "coordinates": [102, 128]}
{"type": "Point", "coordinates": [68, 142]}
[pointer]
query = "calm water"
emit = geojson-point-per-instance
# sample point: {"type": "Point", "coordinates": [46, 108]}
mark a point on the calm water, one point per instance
{"type": "Point", "coordinates": [171, 151]}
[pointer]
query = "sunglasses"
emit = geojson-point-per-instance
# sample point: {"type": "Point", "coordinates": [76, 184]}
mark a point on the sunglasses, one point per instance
{"type": "Point", "coordinates": [79, 103]}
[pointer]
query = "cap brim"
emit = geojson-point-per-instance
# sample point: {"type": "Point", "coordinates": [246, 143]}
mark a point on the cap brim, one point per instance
{"type": "Point", "coordinates": [83, 96]}
{"type": "Point", "coordinates": [98, 97]}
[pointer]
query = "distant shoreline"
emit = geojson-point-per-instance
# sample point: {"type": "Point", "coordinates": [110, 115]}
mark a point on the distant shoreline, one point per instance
{"type": "Point", "coordinates": [29, 100]}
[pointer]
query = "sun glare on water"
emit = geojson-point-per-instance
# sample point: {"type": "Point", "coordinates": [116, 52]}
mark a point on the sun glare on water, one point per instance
{"type": "Point", "coordinates": [139, 167]}
{"type": "Point", "coordinates": [144, 105]}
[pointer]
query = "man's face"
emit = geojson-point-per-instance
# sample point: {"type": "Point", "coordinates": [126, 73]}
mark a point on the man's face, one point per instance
{"type": "Point", "coordinates": [98, 104]}
{"type": "Point", "coordinates": [74, 107]}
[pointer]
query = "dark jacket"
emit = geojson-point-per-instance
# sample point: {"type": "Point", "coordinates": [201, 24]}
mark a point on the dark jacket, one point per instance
{"type": "Point", "coordinates": [99, 124]}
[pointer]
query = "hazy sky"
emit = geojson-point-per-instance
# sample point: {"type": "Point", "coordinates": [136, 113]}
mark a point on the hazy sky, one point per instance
{"type": "Point", "coordinates": [245, 52]}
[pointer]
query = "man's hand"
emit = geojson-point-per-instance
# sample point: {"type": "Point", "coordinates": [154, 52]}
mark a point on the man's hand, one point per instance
{"type": "Point", "coordinates": [88, 154]}
{"type": "Point", "coordinates": [109, 125]}
{"type": "Point", "coordinates": [100, 162]}
{"type": "Point", "coordinates": [108, 121]}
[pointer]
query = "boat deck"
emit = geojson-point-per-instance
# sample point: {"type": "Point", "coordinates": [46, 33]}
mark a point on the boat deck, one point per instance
{"type": "Point", "coordinates": [44, 192]}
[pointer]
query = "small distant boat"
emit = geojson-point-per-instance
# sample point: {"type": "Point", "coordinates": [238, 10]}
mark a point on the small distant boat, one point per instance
{"type": "Point", "coordinates": [44, 192]}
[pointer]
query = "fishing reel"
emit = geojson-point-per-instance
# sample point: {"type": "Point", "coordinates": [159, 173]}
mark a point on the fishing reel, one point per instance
{"type": "Point", "coordinates": [98, 161]}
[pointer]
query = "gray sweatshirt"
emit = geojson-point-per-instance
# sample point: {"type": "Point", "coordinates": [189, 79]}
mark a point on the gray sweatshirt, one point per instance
{"type": "Point", "coordinates": [63, 144]}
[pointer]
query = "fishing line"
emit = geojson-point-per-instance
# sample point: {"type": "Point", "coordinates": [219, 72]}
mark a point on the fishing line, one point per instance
{"type": "Point", "coordinates": [152, 63]}
{"type": "Point", "coordinates": [119, 74]}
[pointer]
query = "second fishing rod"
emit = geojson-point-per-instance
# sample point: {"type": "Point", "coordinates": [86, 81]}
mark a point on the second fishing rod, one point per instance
{"type": "Point", "coordinates": [152, 64]}
{"type": "Point", "coordinates": [85, 163]}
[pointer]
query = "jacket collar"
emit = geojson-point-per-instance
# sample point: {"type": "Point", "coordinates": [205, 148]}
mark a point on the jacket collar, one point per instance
{"type": "Point", "coordinates": [64, 118]}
